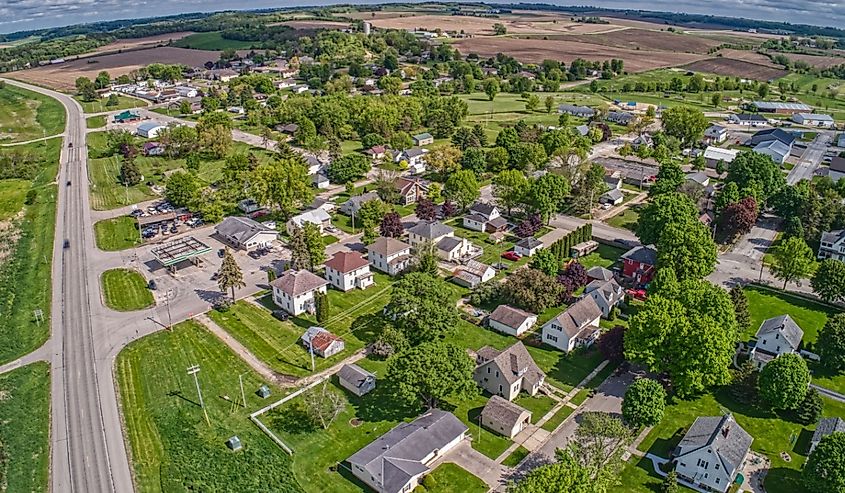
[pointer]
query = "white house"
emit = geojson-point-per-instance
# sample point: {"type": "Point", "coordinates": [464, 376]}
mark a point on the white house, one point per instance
{"type": "Point", "coordinates": [349, 270]}
{"type": "Point", "coordinates": [507, 372]}
{"type": "Point", "coordinates": [294, 291]}
{"type": "Point", "coordinates": [245, 233]}
{"type": "Point", "coordinates": [712, 452]}
{"type": "Point", "coordinates": [832, 245]}
{"type": "Point", "coordinates": [432, 231]}
{"type": "Point", "coordinates": [472, 274]}
{"type": "Point", "coordinates": [415, 157]}
{"type": "Point", "coordinates": [606, 294]}
{"type": "Point", "coordinates": [612, 197]}
{"type": "Point", "coordinates": [389, 255]}
{"type": "Point", "coordinates": [484, 217]}
{"type": "Point", "coordinates": [776, 336]}
{"type": "Point", "coordinates": [504, 417]}
{"type": "Point", "coordinates": [715, 134]}
{"type": "Point", "coordinates": [149, 129]}
{"type": "Point", "coordinates": [322, 342]}
{"type": "Point", "coordinates": [356, 379]}
{"type": "Point", "coordinates": [510, 320]}
{"type": "Point", "coordinates": [813, 120]}
{"type": "Point", "coordinates": [453, 248]}
{"type": "Point", "coordinates": [748, 120]}
{"type": "Point", "coordinates": [527, 247]}
{"type": "Point", "coordinates": [577, 326]}
{"type": "Point", "coordinates": [318, 217]}
{"type": "Point", "coordinates": [714, 155]}
{"type": "Point", "coordinates": [775, 149]}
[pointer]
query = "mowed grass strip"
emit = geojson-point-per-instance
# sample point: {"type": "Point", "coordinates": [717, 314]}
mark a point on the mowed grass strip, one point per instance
{"type": "Point", "coordinates": [451, 478]}
{"type": "Point", "coordinates": [96, 121]}
{"type": "Point", "coordinates": [100, 106]}
{"type": "Point", "coordinates": [126, 290]}
{"type": "Point", "coordinates": [25, 430]}
{"type": "Point", "coordinates": [118, 233]}
{"type": "Point", "coordinates": [516, 457]}
{"type": "Point", "coordinates": [27, 115]}
{"type": "Point", "coordinates": [173, 448]}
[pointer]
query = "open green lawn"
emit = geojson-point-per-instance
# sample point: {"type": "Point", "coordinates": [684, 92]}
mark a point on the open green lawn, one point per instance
{"type": "Point", "coordinates": [12, 196]}
{"type": "Point", "coordinates": [26, 115]}
{"type": "Point", "coordinates": [25, 430]}
{"type": "Point", "coordinates": [118, 233]}
{"type": "Point", "coordinates": [558, 418]}
{"type": "Point", "coordinates": [25, 272]}
{"type": "Point", "coordinates": [516, 457]}
{"type": "Point", "coordinates": [772, 435]}
{"type": "Point", "coordinates": [96, 121]}
{"type": "Point", "coordinates": [451, 478]}
{"type": "Point", "coordinates": [638, 476]}
{"type": "Point", "coordinates": [172, 446]}
{"type": "Point", "coordinates": [767, 303]}
{"type": "Point", "coordinates": [606, 256]}
{"type": "Point", "coordinates": [99, 106]}
{"type": "Point", "coordinates": [125, 290]}
{"type": "Point", "coordinates": [626, 219]}
{"type": "Point", "coordinates": [538, 405]}
{"type": "Point", "coordinates": [211, 41]}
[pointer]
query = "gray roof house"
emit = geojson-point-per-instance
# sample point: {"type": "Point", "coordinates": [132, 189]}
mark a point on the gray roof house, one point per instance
{"type": "Point", "coordinates": [776, 336]}
{"type": "Point", "coordinates": [579, 111]}
{"type": "Point", "coordinates": [395, 461]}
{"type": "Point", "coordinates": [599, 273]}
{"type": "Point", "coordinates": [428, 231]}
{"type": "Point", "coordinates": [243, 232]}
{"type": "Point", "coordinates": [353, 205]}
{"type": "Point", "coordinates": [507, 372]}
{"type": "Point", "coordinates": [620, 117]}
{"type": "Point", "coordinates": [825, 427]}
{"type": "Point", "coordinates": [775, 149]}
{"type": "Point", "coordinates": [510, 320]}
{"type": "Point", "coordinates": [606, 294]}
{"type": "Point", "coordinates": [831, 244]}
{"type": "Point", "coordinates": [577, 326]}
{"type": "Point", "coordinates": [773, 134]}
{"type": "Point", "coordinates": [712, 452]}
{"type": "Point", "coordinates": [356, 379]}
{"type": "Point", "coordinates": [504, 417]}
{"type": "Point", "coordinates": [612, 197]}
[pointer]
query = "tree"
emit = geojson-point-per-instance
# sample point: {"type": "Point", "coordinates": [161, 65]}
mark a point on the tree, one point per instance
{"type": "Point", "coordinates": [185, 107]}
{"type": "Point", "coordinates": [548, 194]}
{"type": "Point", "coordinates": [744, 383]}
{"type": "Point", "coordinates": [390, 85]}
{"type": "Point", "coordinates": [448, 209]}
{"type": "Point", "coordinates": [727, 196]}
{"type": "Point", "coordinates": [430, 373]}
{"type": "Point", "coordinates": [444, 160]}
{"type": "Point", "coordinates": [463, 188]}
{"type": "Point", "coordinates": [792, 260]}
{"type": "Point", "coordinates": [545, 261]}
{"type": "Point", "coordinates": [324, 405]}
{"type": "Point", "coordinates": [371, 213]}
{"type": "Point", "coordinates": [499, 29]}
{"type": "Point", "coordinates": [784, 381]}
{"type": "Point", "coordinates": [113, 100]}
{"type": "Point", "coordinates": [391, 225]}
{"type": "Point", "coordinates": [532, 103]}
{"type": "Point", "coordinates": [420, 307]}
{"type": "Point", "coordinates": [810, 409]}
{"type": "Point", "coordinates": [824, 471]}
{"type": "Point", "coordinates": [740, 301]}
{"type": "Point", "coordinates": [669, 178]}
{"type": "Point", "coordinates": [716, 98]}
{"type": "Point", "coordinates": [230, 276]}
{"type": "Point", "coordinates": [321, 306]}
{"type": "Point", "coordinates": [831, 342]}
{"type": "Point", "coordinates": [662, 211]}
{"type": "Point", "coordinates": [829, 281]}
{"type": "Point", "coordinates": [550, 103]}
{"type": "Point", "coordinates": [314, 243]}
{"type": "Point", "coordinates": [129, 173]}
{"type": "Point", "coordinates": [181, 189]}
{"type": "Point", "coordinates": [426, 209]}
{"type": "Point", "coordinates": [600, 441]}
{"type": "Point", "coordinates": [751, 167]}
{"type": "Point", "coordinates": [491, 87]}
{"type": "Point", "coordinates": [531, 290]}
{"type": "Point", "coordinates": [510, 187]}
{"type": "Point", "coordinates": [348, 168]}
{"type": "Point", "coordinates": [686, 123]}
{"type": "Point", "coordinates": [687, 249]}
{"type": "Point", "coordinates": [739, 217]}
{"type": "Point", "coordinates": [283, 182]}
{"type": "Point", "coordinates": [644, 403]}
{"type": "Point", "coordinates": [299, 256]}
{"type": "Point", "coordinates": [670, 483]}
{"type": "Point", "coordinates": [565, 475]}
{"type": "Point", "coordinates": [426, 259]}
{"type": "Point", "coordinates": [475, 160]}
{"type": "Point", "coordinates": [86, 89]}
{"type": "Point", "coordinates": [611, 344]}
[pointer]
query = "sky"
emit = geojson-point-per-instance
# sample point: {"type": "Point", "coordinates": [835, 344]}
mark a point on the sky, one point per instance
{"type": "Point", "coordinates": [19, 15]}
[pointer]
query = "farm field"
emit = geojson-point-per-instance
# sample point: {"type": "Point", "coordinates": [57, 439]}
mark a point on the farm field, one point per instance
{"type": "Point", "coordinates": [642, 39]}
{"type": "Point", "coordinates": [118, 233]}
{"type": "Point", "coordinates": [211, 41]}
{"type": "Point", "coordinates": [139, 43]}
{"type": "Point", "coordinates": [172, 446]}
{"type": "Point", "coordinates": [747, 56]}
{"type": "Point", "coordinates": [529, 23]}
{"type": "Point", "coordinates": [125, 290]}
{"type": "Point", "coordinates": [309, 24]}
{"type": "Point", "coordinates": [816, 60]}
{"type": "Point", "coordinates": [25, 434]}
{"type": "Point", "coordinates": [736, 68]}
{"type": "Point", "coordinates": [27, 115]}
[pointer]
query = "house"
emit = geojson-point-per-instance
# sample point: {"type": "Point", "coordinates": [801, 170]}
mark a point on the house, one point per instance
{"type": "Point", "coordinates": [776, 336]}
{"type": "Point", "coordinates": [376, 152]}
{"type": "Point", "coordinates": [318, 217]}
{"type": "Point", "coordinates": [837, 168]}
{"type": "Point", "coordinates": [245, 233]}
{"type": "Point", "coordinates": [432, 231]}
{"type": "Point", "coordinates": [149, 129]}
{"type": "Point", "coordinates": [832, 244]}
{"type": "Point", "coordinates": [748, 120]}
{"type": "Point", "coordinates": [814, 120]}
{"type": "Point", "coordinates": [187, 91]}
{"type": "Point", "coordinates": [320, 181]}
{"type": "Point", "coordinates": [510, 320]}
{"type": "Point", "coordinates": [153, 149]}
{"type": "Point", "coordinates": [788, 139]}
{"type": "Point", "coordinates": [712, 452]}
{"type": "Point", "coordinates": [415, 157]}
{"type": "Point", "coordinates": [612, 197]}
{"type": "Point", "coordinates": [700, 178]}
{"type": "Point", "coordinates": [620, 117]}
{"type": "Point", "coordinates": [715, 134]}
{"type": "Point", "coordinates": [472, 274]}
{"type": "Point", "coordinates": [638, 264]}
{"type": "Point", "coordinates": [782, 108]}
{"type": "Point", "coordinates": [775, 149]}
{"type": "Point", "coordinates": [356, 379]}
{"type": "Point", "coordinates": [294, 291]}
{"type": "Point", "coordinates": [223, 75]}
{"type": "Point", "coordinates": [389, 255]}
{"type": "Point", "coordinates": [599, 273]}
{"type": "Point", "coordinates": [410, 189]}
{"type": "Point", "coordinates": [507, 372]}
{"type": "Point", "coordinates": [423, 139]}
{"type": "Point", "coordinates": [579, 111]}
{"type": "Point", "coordinates": [288, 128]}
{"type": "Point", "coordinates": [642, 140]}
{"type": "Point", "coordinates": [349, 270]}
{"type": "Point", "coordinates": [126, 117]}
{"type": "Point", "coordinates": [714, 155]}
{"type": "Point", "coordinates": [826, 427]}
{"type": "Point", "coordinates": [395, 461]}
{"type": "Point", "coordinates": [453, 248]}
{"type": "Point", "coordinates": [248, 206]}
{"type": "Point", "coordinates": [582, 130]}
{"type": "Point", "coordinates": [613, 181]}
{"type": "Point", "coordinates": [322, 342]}
{"type": "Point", "coordinates": [353, 205]}
{"type": "Point", "coordinates": [577, 326]}
{"type": "Point", "coordinates": [527, 247]}
{"type": "Point", "coordinates": [504, 417]}
{"type": "Point", "coordinates": [607, 294]}
{"type": "Point", "coordinates": [485, 217]}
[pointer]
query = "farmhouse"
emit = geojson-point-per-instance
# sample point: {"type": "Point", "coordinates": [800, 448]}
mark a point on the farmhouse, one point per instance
{"type": "Point", "coordinates": [813, 120]}
{"type": "Point", "coordinates": [826, 427]}
{"type": "Point", "coordinates": [504, 417]}
{"type": "Point", "coordinates": [432, 231]}
{"type": "Point", "coordinates": [638, 264]}
{"type": "Point", "coordinates": [349, 270]}
{"type": "Point", "coordinates": [782, 108]}
{"type": "Point", "coordinates": [245, 233]}
{"type": "Point", "coordinates": [577, 326]}
{"type": "Point", "coordinates": [423, 139]}
{"type": "Point", "coordinates": [606, 294]}
{"type": "Point", "coordinates": [837, 168]}
{"type": "Point", "coordinates": [579, 111]}
{"type": "Point", "coordinates": [356, 379]}
{"type": "Point", "coordinates": [322, 342]}
{"type": "Point", "coordinates": [453, 248]}
{"type": "Point", "coordinates": [389, 255]}
{"type": "Point", "coordinates": [527, 247]}
{"type": "Point", "coordinates": [712, 452]}
{"type": "Point", "coordinates": [294, 291]}
{"type": "Point", "coordinates": [353, 205]}
{"type": "Point", "coordinates": [776, 336]}
{"type": "Point", "coordinates": [472, 274]}
{"type": "Point", "coordinates": [507, 372]}
{"type": "Point", "coordinates": [317, 217]}
{"type": "Point", "coordinates": [415, 157]}
{"type": "Point", "coordinates": [485, 217]}
{"type": "Point", "coordinates": [510, 320]}
{"type": "Point", "coordinates": [150, 129]}
{"type": "Point", "coordinates": [395, 461]}
{"type": "Point", "coordinates": [715, 134]}
{"type": "Point", "coordinates": [748, 120]}
{"type": "Point", "coordinates": [714, 155]}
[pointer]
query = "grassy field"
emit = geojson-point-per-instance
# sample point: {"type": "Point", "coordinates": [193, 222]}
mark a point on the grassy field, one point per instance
{"type": "Point", "coordinates": [12, 196]}
{"type": "Point", "coordinates": [638, 476]}
{"type": "Point", "coordinates": [25, 433]}
{"type": "Point", "coordinates": [25, 273]}
{"type": "Point", "coordinates": [558, 418]}
{"type": "Point", "coordinates": [765, 303]}
{"type": "Point", "coordinates": [125, 290]}
{"type": "Point", "coordinates": [627, 219]}
{"type": "Point", "coordinates": [606, 256]}
{"type": "Point", "coordinates": [516, 457]}
{"type": "Point", "coordinates": [211, 41]}
{"type": "Point", "coordinates": [26, 115]}
{"type": "Point", "coordinates": [99, 106]}
{"type": "Point", "coordinates": [96, 121]}
{"type": "Point", "coordinates": [172, 446]}
{"type": "Point", "coordinates": [118, 233]}
{"type": "Point", "coordinates": [451, 478]}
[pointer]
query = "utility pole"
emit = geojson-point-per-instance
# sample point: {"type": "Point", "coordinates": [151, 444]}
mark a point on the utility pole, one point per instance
{"type": "Point", "coordinates": [241, 381]}
{"type": "Point", "coordinates": [167, 296]}
{"type": "Point", "coordinates": [193, 370]}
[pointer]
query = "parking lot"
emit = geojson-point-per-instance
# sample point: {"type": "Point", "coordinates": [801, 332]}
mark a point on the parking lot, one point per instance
{"type": "Point", "coordinates": [162, 219]}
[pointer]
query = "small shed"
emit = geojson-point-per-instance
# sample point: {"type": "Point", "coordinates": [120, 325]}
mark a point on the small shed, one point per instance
{"type": "Point", "coordinates": [356, 379]}
{"type": "Point", "coordinates": [504, 417]}
{"type": "Point", "coordinates": [263, 391]}
{"type": "Point", "coordinates": [584, 248]}
{"type": "Point", "coordinates": [234, 443]}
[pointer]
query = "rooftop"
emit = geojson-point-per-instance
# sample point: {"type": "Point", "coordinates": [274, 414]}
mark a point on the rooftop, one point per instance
{"type": "Point", "coordinates": [785, 327]}
{"type": "Point", "coordinates": [728, 440]}
{"type": "Point", "coordinates": [297, 282]}
{"type": "Point", "coordinates": [510, 316]}
{"type": "Point", "coordinates": [501, 410]}
{"type": "Point", "coordinates": [430, 229]}
{"type": "Point", "coordinates": [346, 262]}
{"type": "Point", "coordinates": [387, 246]}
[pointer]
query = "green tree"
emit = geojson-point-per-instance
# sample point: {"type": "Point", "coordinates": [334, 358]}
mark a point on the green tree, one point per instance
{"type": "Point", "coordinates": [230, 276]}
{"type": "Point", "coordinates": [130, 175]}
{"type": "Point", "coordinates": [664, 210]}
{"type": "Point", "coordinates": [792, 260]}
{"type": "Point", "coordinates": [669, 178]}
{"type": "Point", "coordinates": [510, 188]}
{"type": "Point", "coordinates": [283, 182]}
{"type": "Point", "coordinates": [491, 87]}
{"type": "Point", "coordinates": [113, 100]}
{"type": "Point", "coordinates": [600, 441]}
{"type": "Point", "coordinates": [348, 168]}
{"type": "Point", "coordinates": [644, 403]}
{"type": "Point", "coordinates": [421, 308]}
{"type": "Point", "coordinates": [670, 483]}
{"type": "Point", "coordinates": [829, 281]}
{"type": "Point", "coordinates": [314, 244]}
{"type": "Point", "coordinates": [716, 99]}
{"type": "Point", "coordinates": [729, 195]}
{"type": "Point", "coordinates": [370, 215]}
{"type": "Point", "coordinates": [462, 187]}
{"type": "Point", "coordinates": [740, 301]}
{"type": "Point", "coordinates": [321, 306]}
{"type": "Point", "coordinates": [306, 135]}
{"type": "Point", "coordinates": [546, 262]}
{"type": "Point", "coordinates": [426, 259]}
{"type": "Point", "coordinates": [390, 85]}
{"type": "Point", "coordinates": [431, 372]}
{"type": "Point", "coordinates": [565, 475]}
{"type": "Point", "coordinates": [185, 107]}
{"type": "Point", "coordinates": [299, 256]}
{"type": "Point", "coordinates": [688, 249]}
{"type": "Point", "coordinates": [86, 89]}
{"type": "Point", "coordinates": [810, 409]}
{"type": "Point", "coordinates": [548, 194]}
{"type": "Point", "coordinates": [825, 469]}
{"type": "Point", "coordinates": [686, 123]}
{"type": "Point", "coordinates": [831, 343]}
{"type": "Point", "coordinates": [784, 381]}
{"type": "Point", "coordinates": [181, 189]}
{"type": "Point", "coordinates": [532, 103]}
{"type": "Point", "coordinates": [751, 167]}
{"type": "Point", "coordinates": [550, 103]}
{"type": "Point", "coordinates": [532, 290]}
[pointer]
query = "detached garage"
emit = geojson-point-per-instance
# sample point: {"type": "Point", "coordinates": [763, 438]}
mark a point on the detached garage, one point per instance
{"type": "Point", "coordinates": [504, 417]}
{"type": "Point", "coordinates": [150, 130]}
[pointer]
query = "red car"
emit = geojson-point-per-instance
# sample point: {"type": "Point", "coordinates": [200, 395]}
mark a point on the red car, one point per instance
{"type": "Point", "coordinates": [638, 294]}
{"type": "Point", "coordinates": [511, 255]}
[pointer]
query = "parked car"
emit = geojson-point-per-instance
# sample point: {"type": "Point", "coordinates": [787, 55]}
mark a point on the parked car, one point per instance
{"type": "Point", "coordinates": [152, 286]}
{"type": "Point", "coordinates": [280, 315]}
{"type": "Point", "coordinates": [68, 183]}
{"type": "Point", "coordinates": [511, 255]}
{"type": "Point", "coordinates": [70, 145]}
{"type": "Point", "coordinates": [221, 253]}
{"type": "Point", "coordinates": [638, 294]}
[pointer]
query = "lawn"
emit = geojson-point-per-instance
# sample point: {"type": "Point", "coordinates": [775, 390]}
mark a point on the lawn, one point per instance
{"type": "Point", "coordinates": [12, 196]}
{"type": "Point", "coordinates": [451, 478]}
{"type": "Point", "coordinates": [606, 256]}
{"type": "Point", "coordinates": [25, 434]}
{"type": "Point", "coordinates": [558, 418]}
{"type": "Point", "coordinates": [172, 446]}
{"type": "Point", "coordinates": [626, 219]}
{"type": "Point", "coordinates": [25, 272]}
{"type": "Point", "coordinates": [118, 233]}
{"type": "Point", "coordinates": [125, 290]}
{"type": "Point", "coordinates": [211, 41]}
{"type": "Point", "coordinates": [767, 303]}
{"type": "Point", "coordinates": [538, 405]}
{"type": "Point", "coordinates": [27, 115]}
{"type": "Point", "coordinates": [516, 457]}
{"type": "Point", "coordinates": [638, 476]}
{"type": "Point", "coordinates": [99, 106]}
{"type": "Point", "coordinates": [96, 121]}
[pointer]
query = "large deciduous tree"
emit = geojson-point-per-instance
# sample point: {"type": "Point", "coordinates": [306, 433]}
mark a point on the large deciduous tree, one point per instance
{"type": "Point", "coordinates": [752, 168]}
{"type": "Point", "coordinates": [686, 123]}
{"type": "Point", "coordinates": [283, 182]}
{"type": "Point", "coordinates": [532, 290]}
{"type": "Point", "coordinates": [829, 281]}
{"type": "Point", "coordinates": [784, 381]}
{"type": "Point", "coordinates": [348, 168]}
{"type": "Point", "coordinates": [831, 343]}
{"type": "Point", "coordinates": [792, 260]}
{"type": "Point", "coordinates": [462, 187]}
{"type": "Point", "coordinates": [421, 308]}
{"type": "Point", "coordinates": [663, 211]}
{"type": "Point", "coordinates": [825, 469]}
{"type": "Point", "coordinates": [431, 372]}
{"type": "Point", "coordinates": [687, 249]}
{"type": "Point", "coordinates": [565, 475]}
{"type": "Point", "coordinates": [644, 403]}
{"type": "Point", "coordinates": [510, 188]}
{"type": "Point", "coordinates": [181, 189]}
{"type": "Point", "coordinates": [391, 225]}
{"type": "Point", "coordinates": [547, 194]}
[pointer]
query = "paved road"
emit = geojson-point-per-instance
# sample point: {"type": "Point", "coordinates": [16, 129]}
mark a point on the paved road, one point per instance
{"type": "Point", "coordinates": [810, 159]}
